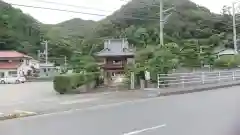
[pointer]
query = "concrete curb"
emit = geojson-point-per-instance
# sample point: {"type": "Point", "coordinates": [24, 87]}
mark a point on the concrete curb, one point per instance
{"type": "Point", "coordinates": [16, 114]}
{"type": "Point", "coordinates": [179, 91]}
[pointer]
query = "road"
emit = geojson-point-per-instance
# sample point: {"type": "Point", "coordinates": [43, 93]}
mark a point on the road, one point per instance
{"type": "Point", "coordinates": [28, 91]}
{"type": "Point", "coordinates": [205, 113]}
{"type": "Point", "coordinates": [39, 97]}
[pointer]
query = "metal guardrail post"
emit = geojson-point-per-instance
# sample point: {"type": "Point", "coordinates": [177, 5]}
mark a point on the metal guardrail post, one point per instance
{"type": "Point", "coordinates": [219, 76]}
{"type": "Point", "coordinates": [183, 83]}
{"type": "Point", "coordinates": [203, 78]}
{"type": "Point", "coordinates": [233, 75]}
{"type": "Point", "coordinates": [236, 75]}
{"type": "Point", "coordinates": [158, 78]}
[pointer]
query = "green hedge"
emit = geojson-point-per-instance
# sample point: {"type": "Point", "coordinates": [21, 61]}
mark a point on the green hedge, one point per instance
{"type": "Point", "coordinates": [227, 62]}
{"type": "Point", "coordinates": [67, 82]}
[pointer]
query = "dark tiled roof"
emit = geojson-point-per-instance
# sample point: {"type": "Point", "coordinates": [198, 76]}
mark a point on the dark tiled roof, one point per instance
{"type": "Point", "coordinates": [116, 47]}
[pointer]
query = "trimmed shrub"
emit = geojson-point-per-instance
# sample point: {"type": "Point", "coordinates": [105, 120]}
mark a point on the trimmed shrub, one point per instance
{"type": "Point", "coordinates": [226, 62]}
{"type": "Point", "coordinates": [68, 82]}
{"type": "Point", "coordinates": [62, 83]}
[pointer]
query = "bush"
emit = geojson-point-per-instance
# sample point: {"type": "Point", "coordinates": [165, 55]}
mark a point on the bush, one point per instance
{"type": "Point", "coordinates": [68, 82]}
{"type": "Point", "coordinates": [226, 62]}
{"type": "Point", "coordinates": [62, 83]}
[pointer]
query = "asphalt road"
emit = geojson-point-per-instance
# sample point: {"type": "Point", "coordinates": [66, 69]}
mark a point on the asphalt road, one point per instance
{"type": "Point", "coordinates": [205, 113]}
{"type": "Point", "coordinates": [29, 91]}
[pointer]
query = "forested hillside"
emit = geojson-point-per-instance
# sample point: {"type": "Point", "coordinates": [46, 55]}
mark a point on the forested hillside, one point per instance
{"type": "Point", "coordinates": [71, 28]}
{"type": "Point", "coordinates": [18, 31]}
{"type": "Point", "coordinates": [188, 21]}
{"type": "Point", "coordinates": [190, 28]}
{"type": "Point", "coordinates": [192, 34]}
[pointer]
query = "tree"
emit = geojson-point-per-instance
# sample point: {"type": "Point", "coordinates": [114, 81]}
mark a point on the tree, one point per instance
{"type": "Point", "coordinates": [164, 59]}
{"type": "Point", "coordinates": [190, 55]}
{"type": "Point", "coordinates": [81, 62]}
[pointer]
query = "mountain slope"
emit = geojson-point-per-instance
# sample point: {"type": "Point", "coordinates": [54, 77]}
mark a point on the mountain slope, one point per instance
{"type": "Point", "coordinates": [70, 28]}
{"type": "Point", "coordinates": [18, 31]}
{"type": "Point", "coordinates": [146, 12]}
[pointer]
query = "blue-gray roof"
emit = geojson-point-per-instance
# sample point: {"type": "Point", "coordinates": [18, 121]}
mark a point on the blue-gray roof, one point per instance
{"type": "Point", "coordinates": [116, 47]}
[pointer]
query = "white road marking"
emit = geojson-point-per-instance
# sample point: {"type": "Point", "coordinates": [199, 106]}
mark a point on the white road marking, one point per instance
{"type": "Point", "coordinates": [77, 101]}
{"type": "Point", "coordinates": [104, 106]}
{"type": "Point", "coordinates": [144, 130]}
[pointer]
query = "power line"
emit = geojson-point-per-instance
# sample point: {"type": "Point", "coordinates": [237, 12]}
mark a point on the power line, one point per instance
{"type": "Point", "coordinates": [63, 4]}
{"type": "Point", "coordinates": [63, 10]}
{"type": "Point", "coordinates": [71, 11]}
{"type": "Point", "coordinates": [44, 1]}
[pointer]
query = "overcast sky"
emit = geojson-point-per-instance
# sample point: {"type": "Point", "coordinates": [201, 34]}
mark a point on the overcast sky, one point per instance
{"type": "Point", "coordinates": [103, 7]}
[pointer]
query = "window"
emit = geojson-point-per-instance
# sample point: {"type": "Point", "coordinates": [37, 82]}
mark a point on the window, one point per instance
{"type": "Point", "coordinates": [2, 74]}
{"type": "Point", "coordinates": [117, 62]}
{"type": "Point", "coordinates": [12, 73]}
{"type": "Point", "coordinates": [4, 61]}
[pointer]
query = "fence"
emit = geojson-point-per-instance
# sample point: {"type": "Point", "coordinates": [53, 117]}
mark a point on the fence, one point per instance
{"type": "Point", "coordinates": [196, 78]}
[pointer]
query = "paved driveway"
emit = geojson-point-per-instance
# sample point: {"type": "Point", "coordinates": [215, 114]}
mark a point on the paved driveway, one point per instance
{"type": "Point", "coordinates": [205, 113]}
{"type": "Point", "coordinates": [26, 92]}
{"type": "Point", "coordinates": [40, 97]}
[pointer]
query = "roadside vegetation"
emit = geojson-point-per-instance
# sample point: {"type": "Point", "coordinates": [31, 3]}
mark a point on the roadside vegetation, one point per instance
{"type": "Point", "coordinates": [68, 83]}
{"type": "Point", "coordinates": [191, 35]}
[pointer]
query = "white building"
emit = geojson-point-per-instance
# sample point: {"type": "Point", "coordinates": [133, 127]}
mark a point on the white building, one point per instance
{"type": "Point", "coordinates": [13, 63]}
{"type": "Point", "coordinates": [48, 69]}
{"type": "Point", "coordinates": [226, 52]}
{"type": "Point", "coordinates": [35, 63]}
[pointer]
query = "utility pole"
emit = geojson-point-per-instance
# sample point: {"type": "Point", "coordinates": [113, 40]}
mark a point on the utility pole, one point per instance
{"type": "Point", "coordinates": [161, 23]}
{"type": "Point", "coordinates": [163, 20]}
{"type": "Point", "coordinates": [46, 51]}
{"type": "Point", "coordinates": [65, 61]}
{"type": "Point", "coordinates": [234, 28]}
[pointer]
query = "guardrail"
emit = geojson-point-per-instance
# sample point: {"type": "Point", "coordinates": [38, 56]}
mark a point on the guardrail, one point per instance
{"type": "Point", "coordinates": [196, 78]}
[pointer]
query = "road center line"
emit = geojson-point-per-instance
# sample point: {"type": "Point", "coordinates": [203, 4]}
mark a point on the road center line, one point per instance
{"type": "Point", "coordinates": [144, 130]}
